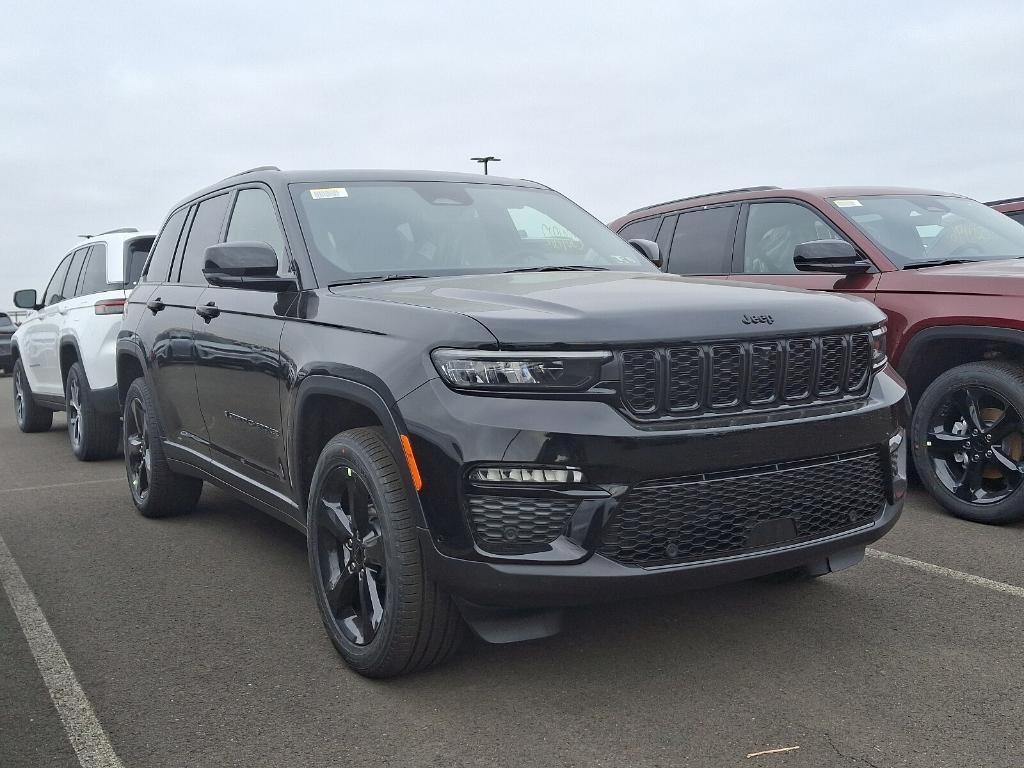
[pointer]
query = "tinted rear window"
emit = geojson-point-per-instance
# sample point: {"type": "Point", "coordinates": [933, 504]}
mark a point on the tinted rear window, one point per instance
{"type": "Point", "coordinates": [160, 262]}
{"type": "Point", "coordinates": [702, 243]}
{"type": "Point", "coordinates": [135, 254]}
{"type": "Point", "coordinates": [205, 231]}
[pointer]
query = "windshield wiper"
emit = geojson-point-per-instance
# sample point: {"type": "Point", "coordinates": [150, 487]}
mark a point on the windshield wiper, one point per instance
{"type": "Point", "coordinates": [567, 268]}
{"type": "Point", "coordinates": [373, 279]}
{"type": "Point", "coordinates": [939, 263]}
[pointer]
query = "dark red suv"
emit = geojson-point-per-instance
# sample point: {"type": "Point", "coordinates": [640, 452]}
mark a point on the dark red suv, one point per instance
{"type": "Point", "coordinates": [949, 273]}
{"type": "Point", "coordinates": [1011, 206]}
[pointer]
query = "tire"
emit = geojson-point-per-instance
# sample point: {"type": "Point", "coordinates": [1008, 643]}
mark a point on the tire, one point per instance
{"type": "Point", "coordinates": [93, 436]}
{"type": "Point", "coordinates": [30, 416]}
{"type": "Point", "coordinates": [156, 490]}
{"type": "Point", "coordinates": [366, 543]}
{"type": "Point", "coordinates": [968, 464]}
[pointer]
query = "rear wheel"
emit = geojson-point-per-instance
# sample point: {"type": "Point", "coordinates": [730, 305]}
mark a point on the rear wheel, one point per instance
{"type": "Point", "coordinates": [93, 435]}
{"type": "Point", "coordinates": [156, 490]}
{"type": "Point", "coordinates": [31, 418]}
{"type": "Point", "coordinates": [381, 610]}
{"type": "Point", "coordinates": [968, 441]}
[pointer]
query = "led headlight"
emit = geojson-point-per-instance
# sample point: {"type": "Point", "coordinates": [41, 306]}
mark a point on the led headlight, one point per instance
{"type": "Point", "coordinates": [475, 369]}
{"type": "Point", "coordinates": [557, 475]}
{"type": "Point", "coordinates": [878, 351]}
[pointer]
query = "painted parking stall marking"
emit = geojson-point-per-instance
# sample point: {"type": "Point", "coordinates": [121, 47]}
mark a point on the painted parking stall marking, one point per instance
{"type": "Point", "coordinates": [84, 731]}
{"type": "Point", "coordinates": [938, 570]}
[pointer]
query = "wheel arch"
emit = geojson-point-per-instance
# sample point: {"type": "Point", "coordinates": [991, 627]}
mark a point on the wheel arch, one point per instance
{"type": "Point", "coordinates": [69, 354]}
{"type": "Point", "coordinates": [131, 365]}
{"type": "Point", "coordinates": [935, 350]}
{"type": "Point", "coordinates": [326, 405]}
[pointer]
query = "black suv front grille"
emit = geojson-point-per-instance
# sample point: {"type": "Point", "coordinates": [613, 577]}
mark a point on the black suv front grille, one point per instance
{"type": "Point", "coordinates": [664, 522]}
{"type": "Point", "coordinates": [696, 379]}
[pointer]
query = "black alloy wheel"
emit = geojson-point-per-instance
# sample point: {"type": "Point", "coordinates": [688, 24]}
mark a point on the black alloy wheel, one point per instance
{"type": "Point", "coordinates": [156, 489]}
{"type": "Point", "coordinates": [969, 441]}
{"type": "Point", "coordinates": [380, 608]}
{"type": "Point", "coordinates": [353, 567]}
{"type": "Point", "coordinates": [974, 443]}
{"type": "Point", "coordinates": [137, 457]}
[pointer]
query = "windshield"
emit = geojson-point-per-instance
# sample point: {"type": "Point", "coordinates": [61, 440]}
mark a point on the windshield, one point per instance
{"type": "Point", "coordinates": [356, 229]}
{"type": "Point", "coordinates": [926, 228]}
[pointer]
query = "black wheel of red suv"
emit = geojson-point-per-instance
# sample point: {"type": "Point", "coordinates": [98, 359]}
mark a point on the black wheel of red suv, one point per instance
{"type": "Point", "coordinates": [380, 609]}
{"type": "Point", "coordinates": [30, 417]}
{"type": "Point", "coordinates": [156, 490]}
{"type": "Point", "coordinates": [968, 441]}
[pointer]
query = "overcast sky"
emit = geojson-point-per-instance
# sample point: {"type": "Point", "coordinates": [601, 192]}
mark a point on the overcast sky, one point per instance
{"type": "Point", "coordinates": [111, 112]}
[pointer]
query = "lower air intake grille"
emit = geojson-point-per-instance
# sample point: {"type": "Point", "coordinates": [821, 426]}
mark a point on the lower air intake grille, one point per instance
{"type": "Point", "coordinates": [664, 522]}
{"type": "Point", "coordinates": [516, 524]}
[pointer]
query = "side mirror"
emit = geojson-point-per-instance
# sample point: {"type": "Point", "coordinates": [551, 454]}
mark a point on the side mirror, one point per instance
{"type": "Point", "coordinates": [649, 249]}
{"type": "Point", "coordinates": [27, 298]}
{"type": "Point", "coordinates": [245, 264]}
{"type": "Point", "coordinates": [835, 257]}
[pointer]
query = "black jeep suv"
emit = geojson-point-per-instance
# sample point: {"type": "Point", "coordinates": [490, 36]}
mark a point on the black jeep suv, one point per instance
{"type": "Point", "coordinates": [480, 405]}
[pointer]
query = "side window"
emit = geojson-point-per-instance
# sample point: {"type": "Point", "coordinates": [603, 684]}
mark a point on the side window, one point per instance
{"type": "Point", "coordinates": [205, 231]}
{"type": "Point", "coordinates": [254, 218]}
{"type": "Point", "coordinates": [702, 241]}
{"type": "Point", "coordinates": [74, 272]}
{"type": "Point", "coordinates": [159, 263]}
{"type": "Point", "coordinates": [1017, 216]}
{"type": "Point", "coordinates": [53, 292]}
{"type": "Point", "coordinates": [94, 279]}
{"type": "Point", "coordinates": [645, 229]}
{"type": "Point", "coordinates": [774, 230]}
{"type": "Point", "coordinates": [135, 254]}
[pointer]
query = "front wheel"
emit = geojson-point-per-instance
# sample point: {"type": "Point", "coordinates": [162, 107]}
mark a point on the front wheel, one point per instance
{"type": "Point", "coordinates": [381, 610]}
{"type": "Point", "coordinates": [968, 441]}
{"type": "Point", "coordinates": [30, 417]}
{"type": "Point", "coordinates": [156, 490]}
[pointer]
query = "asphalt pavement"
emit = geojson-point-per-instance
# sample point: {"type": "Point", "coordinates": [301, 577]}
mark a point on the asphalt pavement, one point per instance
{"type": "Point", "coordinates": [195, 642]}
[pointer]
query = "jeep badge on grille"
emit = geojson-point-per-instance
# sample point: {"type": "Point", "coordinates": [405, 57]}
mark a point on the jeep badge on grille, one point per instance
{"type": "Point", "coordinates": [757, 319]}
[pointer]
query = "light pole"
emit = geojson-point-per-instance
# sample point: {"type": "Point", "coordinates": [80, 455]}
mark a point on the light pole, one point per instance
{"type": "Point", "coordinates": [486, 160]}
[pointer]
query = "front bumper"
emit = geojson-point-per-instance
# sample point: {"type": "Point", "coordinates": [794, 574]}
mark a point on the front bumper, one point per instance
{"type": "Point", "coordinates": [598, 579]}
{"type": "Point", "coordinates": [452, 433]}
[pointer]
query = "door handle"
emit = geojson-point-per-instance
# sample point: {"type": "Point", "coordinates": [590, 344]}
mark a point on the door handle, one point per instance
{"type": "Point", "coordinates": [155, 305]}
{"type": "Point", "coordinates": [208, 312]}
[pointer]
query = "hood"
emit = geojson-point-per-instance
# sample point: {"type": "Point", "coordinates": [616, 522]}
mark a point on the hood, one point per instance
{"type": "Point", "coordinates": [999, 277]}
{"type": "Point", "coordinates": [545, 308]}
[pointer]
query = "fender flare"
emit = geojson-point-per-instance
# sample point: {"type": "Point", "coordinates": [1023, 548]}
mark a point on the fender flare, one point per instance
{"type": "Point", "coordinates": [380, 403]}
{"type": "Point", "coordinates": [69, 340]}
{"type": "Point", "coordinates": [129, 347]}
{"type": "Point", "coordinates": [915, 347]}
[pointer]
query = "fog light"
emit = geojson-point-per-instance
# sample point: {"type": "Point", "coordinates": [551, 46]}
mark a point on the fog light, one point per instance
{"type": "Point", "coordinates": [549, 475]}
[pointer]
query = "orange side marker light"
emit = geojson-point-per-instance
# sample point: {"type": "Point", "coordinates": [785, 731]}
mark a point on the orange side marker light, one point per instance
{"type": "Point", "coordinates": [410, 459]}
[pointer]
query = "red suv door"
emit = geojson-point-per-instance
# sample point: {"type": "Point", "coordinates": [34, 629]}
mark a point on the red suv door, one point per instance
{"type": "Point", "coordinates": [769, 232]}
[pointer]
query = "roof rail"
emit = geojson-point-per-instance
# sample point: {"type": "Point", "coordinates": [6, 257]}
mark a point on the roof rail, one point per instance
{"type": "Point", "coordinates": [1007, 200]}
{"type": "Point", "coordinates": [122, 230]}
{"type": "Point", "coordinates": [705, 194]}
{"type": "Point", "coordinates": [254, 170]}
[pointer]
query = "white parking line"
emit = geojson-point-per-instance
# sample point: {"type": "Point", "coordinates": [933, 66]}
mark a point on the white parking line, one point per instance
{"type": "Point", "coordinates": [61, 485]}
{"type": "Point", "coordinates": [84, 731]}
{"type": "Point", "coordinates": [938, 570]}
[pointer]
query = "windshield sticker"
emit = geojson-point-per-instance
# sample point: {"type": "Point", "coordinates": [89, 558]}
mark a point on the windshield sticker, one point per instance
{"type": "Point", "coordinates": [847, 203]}
{"type": "Point", "coordinates": [328, 192]}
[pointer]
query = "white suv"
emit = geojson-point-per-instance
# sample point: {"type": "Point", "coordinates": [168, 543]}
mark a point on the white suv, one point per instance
{"type": "Point", "coordinates": [64, 351]}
